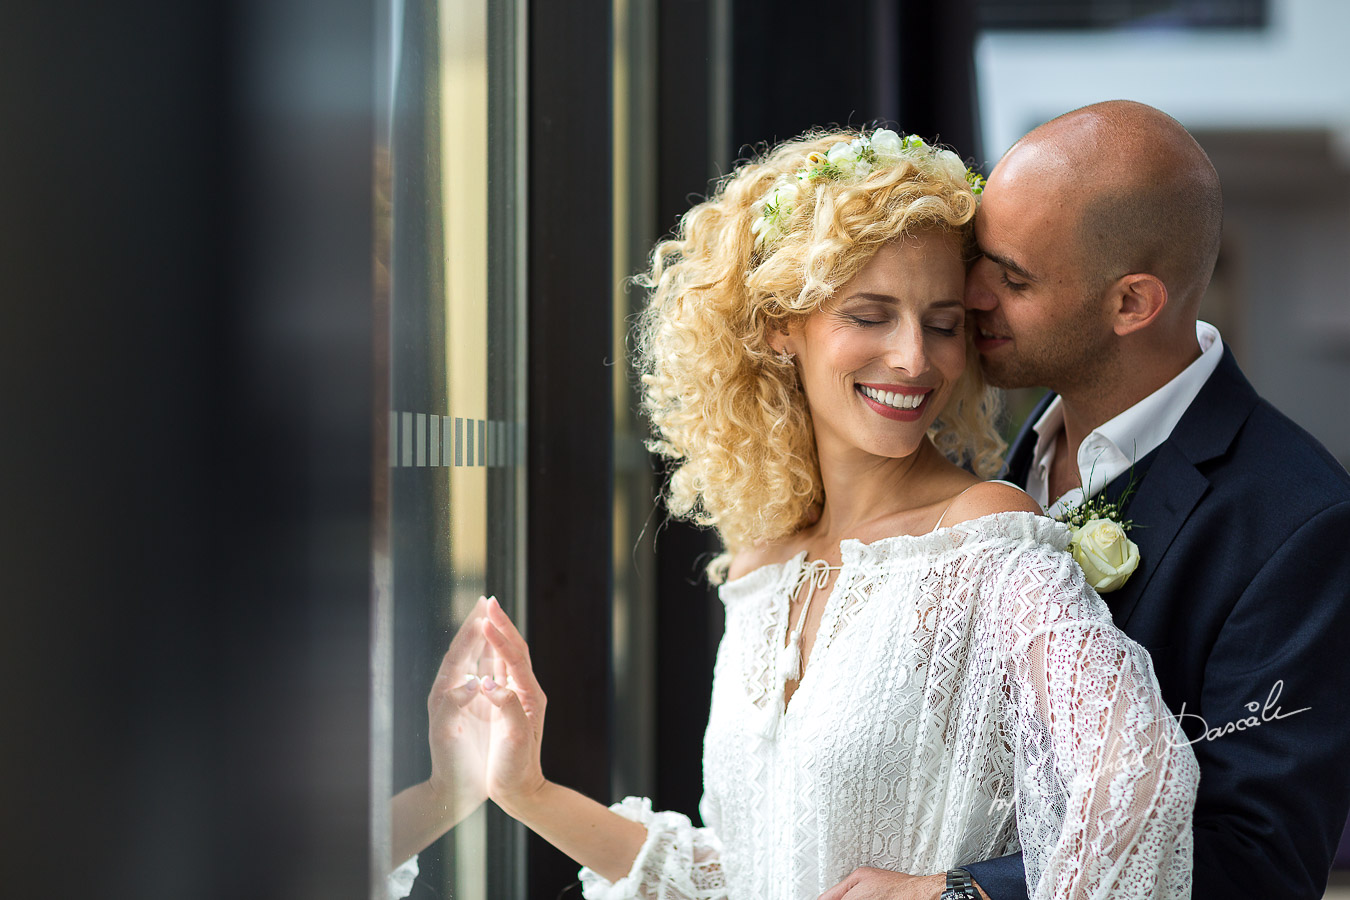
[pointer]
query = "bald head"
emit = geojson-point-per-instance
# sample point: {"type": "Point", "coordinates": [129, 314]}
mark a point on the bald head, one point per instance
{"type": "Point", "coordinates": [1145, 195]}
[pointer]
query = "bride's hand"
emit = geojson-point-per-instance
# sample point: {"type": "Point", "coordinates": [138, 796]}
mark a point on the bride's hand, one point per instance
{"type": "Point", "coordinates": [866, 883]}
{"type": "Point", "coordinates": [513, 773]}
{"type": "Point", "coordinates": [458, 720]}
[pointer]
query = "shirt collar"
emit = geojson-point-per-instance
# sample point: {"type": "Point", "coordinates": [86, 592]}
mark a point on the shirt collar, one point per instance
{"type": "Point", "coordinates": [1111, 449]}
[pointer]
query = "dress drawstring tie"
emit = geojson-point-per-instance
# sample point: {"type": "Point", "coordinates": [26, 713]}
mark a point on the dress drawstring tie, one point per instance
{"type": "Point", "coordinates": [814, 576]}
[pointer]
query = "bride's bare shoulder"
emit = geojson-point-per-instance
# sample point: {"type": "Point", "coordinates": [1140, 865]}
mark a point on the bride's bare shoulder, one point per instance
{"type": "Point", "coordinates": [987, 498]}
{"type": "Point", "coordinates": [758, 556]}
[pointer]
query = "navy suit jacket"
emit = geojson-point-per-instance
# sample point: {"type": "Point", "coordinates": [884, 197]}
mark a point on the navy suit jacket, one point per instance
{"type": "Point", "coordinates": [1242, 598]}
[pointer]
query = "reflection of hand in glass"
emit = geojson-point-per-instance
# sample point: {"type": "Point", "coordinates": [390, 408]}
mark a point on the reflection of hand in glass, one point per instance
{"type": "Point", "coordinates": [457, 730]}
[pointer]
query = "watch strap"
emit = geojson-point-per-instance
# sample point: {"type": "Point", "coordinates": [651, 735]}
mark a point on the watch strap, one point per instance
{"type": "Point", "coordinates": [960, 886]}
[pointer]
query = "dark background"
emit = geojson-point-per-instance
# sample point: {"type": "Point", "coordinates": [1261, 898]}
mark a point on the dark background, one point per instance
{"type": "Point", "coordinates": [185, 191]}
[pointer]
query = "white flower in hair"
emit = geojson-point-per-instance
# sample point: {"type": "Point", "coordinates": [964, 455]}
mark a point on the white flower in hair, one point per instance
{"type": "Point", "coordinates": [774, 210]}
{"type": "Point", "coordinates": [785, 194]}
{"type": "Point", "coordinates": [949, 164]}
{"type": "Point", "coordinates": [843, 156]}
{"type": "Point", "coordinates": [863, 157]}
{"type": "Point", "coordinates": [887, 143]}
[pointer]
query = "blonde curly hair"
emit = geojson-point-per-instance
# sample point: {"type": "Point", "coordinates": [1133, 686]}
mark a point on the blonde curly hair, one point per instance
{"type": "Point", "coordinates": [724, 408]}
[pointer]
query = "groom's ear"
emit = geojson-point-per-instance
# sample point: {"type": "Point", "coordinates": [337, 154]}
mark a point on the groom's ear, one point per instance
{"type": "Point", "coordinates": [1139, 299]}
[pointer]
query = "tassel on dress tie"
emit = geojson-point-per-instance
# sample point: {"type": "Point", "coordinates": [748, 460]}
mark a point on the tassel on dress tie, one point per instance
{"type": "Point", "coordinates": [788, 662]}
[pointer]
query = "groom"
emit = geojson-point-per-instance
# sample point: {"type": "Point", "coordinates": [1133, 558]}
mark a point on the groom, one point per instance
{"type": "Point", "coordinates": [1098, 233]}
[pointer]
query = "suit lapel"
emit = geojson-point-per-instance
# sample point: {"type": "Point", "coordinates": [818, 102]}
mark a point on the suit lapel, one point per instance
{"type": "Point", "coordinates": [1172, 483]}
{"type": "Point", "coordinates": [1165, 493]}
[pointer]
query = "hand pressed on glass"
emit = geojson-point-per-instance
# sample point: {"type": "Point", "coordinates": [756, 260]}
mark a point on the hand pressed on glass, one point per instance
{"type": "Point", "coordinates": [580, 827]}
{"type": "Point", "coordinates": [513, 771]}
{"type": "Point", "coordinates": [485, 733]}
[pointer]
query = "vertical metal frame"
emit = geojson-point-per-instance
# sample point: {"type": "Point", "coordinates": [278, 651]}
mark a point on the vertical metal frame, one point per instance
{"type": "Point", "coordinates": [508, 390]}
{"type": "Point", "coordinates": [633, 556]}
{"type": "Point", "coordinates": [570, 422]}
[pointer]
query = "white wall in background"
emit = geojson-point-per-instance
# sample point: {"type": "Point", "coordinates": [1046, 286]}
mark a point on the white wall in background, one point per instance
{"type": "Point", "coordinates": [1294, 74]}
{"type": "Point", "coordinates": [1273, 110]}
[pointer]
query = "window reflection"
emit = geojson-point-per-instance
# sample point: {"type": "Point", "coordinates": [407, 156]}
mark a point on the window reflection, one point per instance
{"type": "Point", "coordinates": [451, 484]}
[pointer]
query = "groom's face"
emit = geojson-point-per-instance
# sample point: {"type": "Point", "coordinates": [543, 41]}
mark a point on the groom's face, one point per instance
{"type": "Point", "coordinates": [1037, 321]}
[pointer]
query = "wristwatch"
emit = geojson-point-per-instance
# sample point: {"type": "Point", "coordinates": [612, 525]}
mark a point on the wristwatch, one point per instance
{"type": "Point", "coordinates": [960, 886]}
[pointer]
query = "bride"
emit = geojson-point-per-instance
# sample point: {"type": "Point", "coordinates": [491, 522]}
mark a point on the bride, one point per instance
{"type": "Point", "coordinates": [914, 675]}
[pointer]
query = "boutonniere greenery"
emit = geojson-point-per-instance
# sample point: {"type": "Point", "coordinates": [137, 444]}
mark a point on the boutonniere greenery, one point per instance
{"type": "Point", "coordinates": [1099, 542]}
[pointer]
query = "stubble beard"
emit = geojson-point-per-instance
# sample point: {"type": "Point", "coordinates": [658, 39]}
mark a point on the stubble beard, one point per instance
{"type": "Point", "coordinates": [1062, 360]}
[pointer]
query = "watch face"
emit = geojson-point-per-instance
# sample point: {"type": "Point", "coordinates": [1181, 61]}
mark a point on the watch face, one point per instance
{"type": "Point", "coordinates": [954, 894]}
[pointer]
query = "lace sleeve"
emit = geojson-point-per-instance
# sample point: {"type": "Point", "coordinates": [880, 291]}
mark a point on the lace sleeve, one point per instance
{"type": "Point", "coordinates": [677, 861]}
{"type": "Point", "coordinates": [399, 883]}
{"type": "Point", "coordinates": [1105, 779]}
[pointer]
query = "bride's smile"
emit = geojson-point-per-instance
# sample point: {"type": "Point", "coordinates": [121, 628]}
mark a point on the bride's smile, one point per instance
{"type": "Point", "coordinates": [896, 398]}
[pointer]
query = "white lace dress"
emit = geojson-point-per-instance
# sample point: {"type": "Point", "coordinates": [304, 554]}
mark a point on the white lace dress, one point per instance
{"type": "Point", "coordinates": [967, 694]}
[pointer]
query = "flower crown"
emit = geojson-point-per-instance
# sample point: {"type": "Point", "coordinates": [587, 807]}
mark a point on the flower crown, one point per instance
{"type": "Point", "coordinates": [854, 160]}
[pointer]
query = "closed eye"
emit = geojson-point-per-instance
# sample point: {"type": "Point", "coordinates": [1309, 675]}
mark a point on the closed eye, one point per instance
{"type": "Point", "coordinates": [1004, 267]}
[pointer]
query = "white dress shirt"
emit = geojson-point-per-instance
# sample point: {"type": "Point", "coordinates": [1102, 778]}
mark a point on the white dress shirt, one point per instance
{"type": "Point", "coordinates": [1112, 448]}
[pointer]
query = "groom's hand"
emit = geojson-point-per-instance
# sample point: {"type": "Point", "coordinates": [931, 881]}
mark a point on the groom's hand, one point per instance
{"type": "Point", "coordinates": [878, 884]}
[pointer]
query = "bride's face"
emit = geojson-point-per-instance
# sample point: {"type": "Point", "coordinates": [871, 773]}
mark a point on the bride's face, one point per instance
{"type": "Point", "coordinates": [879, 360]}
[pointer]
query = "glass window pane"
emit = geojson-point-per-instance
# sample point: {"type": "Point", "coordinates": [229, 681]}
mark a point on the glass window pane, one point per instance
{"type": "Point", "coordinates": [451, 493]}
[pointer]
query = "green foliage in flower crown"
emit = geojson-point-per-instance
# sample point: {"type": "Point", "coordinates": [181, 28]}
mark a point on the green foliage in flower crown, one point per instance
{"type": "Point", "coordinates": [854, 160]}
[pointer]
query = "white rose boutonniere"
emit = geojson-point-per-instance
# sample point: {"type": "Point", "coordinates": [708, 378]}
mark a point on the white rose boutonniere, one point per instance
{"type": "Point", "coordinates": [1107, 556]}
{"type": "Point", "coordinates": [1098, 541]}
